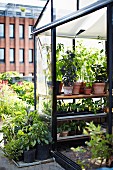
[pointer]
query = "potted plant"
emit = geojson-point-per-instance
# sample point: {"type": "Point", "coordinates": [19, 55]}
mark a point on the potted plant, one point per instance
{"type": "Point", "coordinates": [44, 140]}
{"type": "Point", "coordinates": [100, 78]}
{"type": "Point", "coordinates": [65, 128]}
{"type": "Point", "coordinates": [68, 71]}
{"type": "Point", "coordinates": [73, 128]}
{"type": "Point", "coordinates": [88, 88]}
{"type": "Point", "coordinates": [100, 144]}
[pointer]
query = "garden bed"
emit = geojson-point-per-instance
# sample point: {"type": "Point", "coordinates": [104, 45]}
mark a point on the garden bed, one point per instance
{"type": "Point", "coordinates": [83, 158]}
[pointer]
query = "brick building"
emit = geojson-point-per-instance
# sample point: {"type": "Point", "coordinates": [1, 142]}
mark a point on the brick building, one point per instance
{"type": "Point", "coordinates": [16, 43]}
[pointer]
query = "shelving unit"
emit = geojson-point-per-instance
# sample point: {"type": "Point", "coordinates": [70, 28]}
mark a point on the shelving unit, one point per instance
{"type": "Point", "coordinates": [79, 116]}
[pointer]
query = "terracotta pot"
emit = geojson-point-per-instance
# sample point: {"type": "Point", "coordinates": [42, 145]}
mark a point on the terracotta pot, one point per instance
{"type": "Point", "coordinates": [82, 87]}
{"type": "Point", "coordinates": [64, 133]}
{"type": "Point", "coordinates": [76, 87]}
{"type": "Point", "coordinates": [87, 91]}
{"type": "Point", "coordinates": [98, 88]}
{"type": "Point", "coordinates": [68, 90]}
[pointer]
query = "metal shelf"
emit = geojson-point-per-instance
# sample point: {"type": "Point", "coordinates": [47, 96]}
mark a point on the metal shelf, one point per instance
{"type": "Point", "coordinates": [80, 117]}
{"type": "Point", "coordinates": [75, 137]}
{"type": "Point", "coordinates": [69, 138]}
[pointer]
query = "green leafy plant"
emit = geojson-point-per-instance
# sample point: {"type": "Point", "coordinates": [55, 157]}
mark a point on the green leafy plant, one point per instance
{"type": "Point", "coordinates": [69, 68]}
{"type": "Point", "coordinates": [100, 143]}
{"type": "Point", "coordinates": [100, 72]}
{"type": "Point", "coordinates": [65, 127]}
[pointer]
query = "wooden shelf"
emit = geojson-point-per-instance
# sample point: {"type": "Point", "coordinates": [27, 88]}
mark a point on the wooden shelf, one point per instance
{"type": "Point", "coordinates": [81, 117]}
{"type": "Point", "coordinates": [80, 96]}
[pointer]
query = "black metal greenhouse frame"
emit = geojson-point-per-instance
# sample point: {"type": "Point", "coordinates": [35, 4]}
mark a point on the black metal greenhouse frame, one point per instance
{"type": "Point", "coordinates": [61, 159]}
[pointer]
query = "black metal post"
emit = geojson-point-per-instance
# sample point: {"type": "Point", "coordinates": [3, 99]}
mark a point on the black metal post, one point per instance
{"type": "Point", "coordinates": [77, 4]}
{"type": "Point", "coordinates": [110, 63]}
{"type": "Point", "coordinates": [73, 44]}
{"type": "Point", "coordinates": [35, 73]}
{"type": "Point", "coordinates": [53, 61]}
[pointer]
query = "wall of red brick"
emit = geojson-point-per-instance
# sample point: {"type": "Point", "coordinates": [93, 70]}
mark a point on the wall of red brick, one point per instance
{"type": "Point", "coordinates": [17, 43]}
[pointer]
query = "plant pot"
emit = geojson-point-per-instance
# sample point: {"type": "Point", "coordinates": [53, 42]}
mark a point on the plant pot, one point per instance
{"type": "Point", "coordinates": [98, 88]}
{"type": "Point", "coordinates": [29, 156]}
{"type": "Point", "coordinates": [82, 88]}
{"type": "Point", "coordinates": [72, 132]}
{"type": "Point", "coordinates": [58, 135]}
{"type": "Point", "coordinates": [68, 90]}
{"type": "Point", "coordinates": [76, 88]}
{"type": "Point", "coordinates": [59, 85]}
{"type": "Point", "coordinates": [64, 133]}
{"type": "Point", "coordinates": [42, 151]}
{"type": "Point", "coordinates": [87, 91]}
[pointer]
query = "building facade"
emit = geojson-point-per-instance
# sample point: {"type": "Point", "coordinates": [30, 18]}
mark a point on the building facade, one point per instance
{"type": "Point", "coordinates": [16, 42]}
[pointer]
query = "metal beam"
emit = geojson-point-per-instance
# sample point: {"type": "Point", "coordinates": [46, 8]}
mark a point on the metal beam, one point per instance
{"type": "Point", "coordinates": [65, 162]}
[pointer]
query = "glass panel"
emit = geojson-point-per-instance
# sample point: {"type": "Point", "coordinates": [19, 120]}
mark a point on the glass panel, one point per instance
{"type": "Point", "coordinates": [65, 9]}
{"type": "Point", "coordinates": [30, 56]}
{"type": "Point", "coordinates": [21, 31]}
{"type": "Point", "coordinates": [12, 57]}
{"type": "Point", "coordinates": [21, 55]}
{"type": "Point", "coordinates": [85, 3]}
{"type": "Point", "coordinates": [2, 34]}
{"type": "Point", "coordinates": [46, 17]}
{"type": "Point", "coordinates": [2, 55]}
{"type": "Point", "coordinates": [11, 33]}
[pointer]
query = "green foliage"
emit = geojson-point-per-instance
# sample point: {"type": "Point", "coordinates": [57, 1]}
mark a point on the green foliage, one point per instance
{"type": "Point", "coordinates": [85, 58]}
{"type": "Point", "coordinates": [69, 69]}
{"type": "Point", "coordinates": [9, 102]}
{"type": "Point", "coordinates": [99, 143]}
{"type": "Point", "coordinates": [28, 129]}
{"type": "Point", "coordinates": [65, 127]}
{"type": "Point", "coordinates": [25, 91]}
{"type": "Point", "coordinates": [47, 107]}
{"type": "Point", "coordinates": [73, 125]}
{"type": "Point", "coordinates": [8, 76]}
{"type": "Point", "coordinates": [13, 150]}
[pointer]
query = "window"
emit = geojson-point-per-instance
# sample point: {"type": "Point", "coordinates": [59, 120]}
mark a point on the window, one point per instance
{"type": "Point", "coordinates": [21, 31]}
{"type": "Point", "coordinates": [31, 74]}
{"type": "Point", "coordinates": [21, 74]}
{"type": "Point", "coordinates": [2, 32]}
{"type": "Point", "coordinates": [30, 30]}
{"type": "Point", "coordinates": [2, 55]}
{"type": "Point", "coordinates": [11, 29]}
{"type": "Point", "coordinates": [21, 55]}
{"type": "Point", "coordinates": [12, 55]}
{"type": "Point", "coordinates": [30, 56]}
